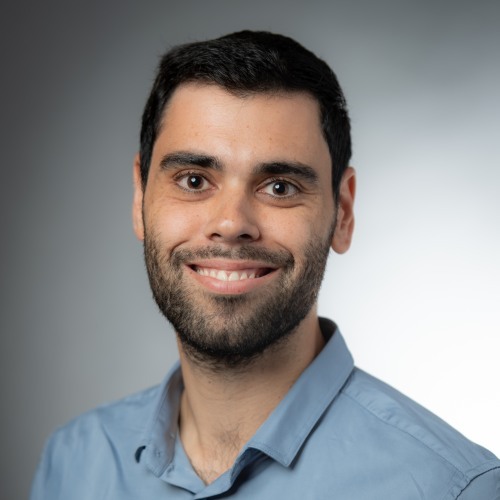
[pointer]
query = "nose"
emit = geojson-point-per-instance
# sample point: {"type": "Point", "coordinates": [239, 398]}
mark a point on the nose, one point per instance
{"type": "Point", "coordinates": [232, 218]}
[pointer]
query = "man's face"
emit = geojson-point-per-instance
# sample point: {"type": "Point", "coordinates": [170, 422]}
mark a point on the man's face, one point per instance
{"type": "Point", "coordinates": [237, 218]}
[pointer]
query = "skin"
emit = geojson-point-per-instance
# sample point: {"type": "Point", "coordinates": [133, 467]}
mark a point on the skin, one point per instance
{"type": "Point", "coordinates": [230, 204]}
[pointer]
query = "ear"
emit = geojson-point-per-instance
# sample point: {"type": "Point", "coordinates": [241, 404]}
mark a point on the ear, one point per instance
{"type": "Point", "coordinates": [345, 212]}
{"type": "Point", "coordinates": [137, 219]}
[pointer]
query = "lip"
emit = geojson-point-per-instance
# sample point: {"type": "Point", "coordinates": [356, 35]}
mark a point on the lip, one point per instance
{"type": "Point", "coordinates": [240, 276]}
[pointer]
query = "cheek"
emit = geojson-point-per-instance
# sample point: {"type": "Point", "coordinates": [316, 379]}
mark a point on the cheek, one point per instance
{"type": "Point", "coordinates": [288, 230]}
{"type": "Point", "coordinates": [172, 225]}
{"type": "Point", "coordinates": [300, 224]}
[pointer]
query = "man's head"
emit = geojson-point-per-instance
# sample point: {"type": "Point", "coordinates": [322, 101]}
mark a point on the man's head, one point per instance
{"type": "Point", "coordinates": [250, 62]}
{"type": "Point", "coordinates": [236, 207]}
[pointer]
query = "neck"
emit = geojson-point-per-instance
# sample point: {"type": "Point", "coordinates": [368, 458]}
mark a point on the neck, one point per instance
{"type": "Point", "coordinates": [221, 410]}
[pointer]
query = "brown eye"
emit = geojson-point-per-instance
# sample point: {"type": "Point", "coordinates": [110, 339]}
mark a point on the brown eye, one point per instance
{"type": "Point", "coordinates": [280, 189]}
{"type": "Point", "coordinates": [193, 182]}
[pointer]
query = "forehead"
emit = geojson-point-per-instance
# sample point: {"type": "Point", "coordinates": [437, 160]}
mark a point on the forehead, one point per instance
{"type": "Point", "coordinates": [253, 127]}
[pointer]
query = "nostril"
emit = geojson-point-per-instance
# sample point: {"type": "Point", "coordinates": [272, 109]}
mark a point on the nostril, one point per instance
{"type": "Point", "coordinates": [245, 237]}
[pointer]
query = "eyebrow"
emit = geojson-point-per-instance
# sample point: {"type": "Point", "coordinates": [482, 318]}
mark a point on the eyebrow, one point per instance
{"type": "Point", "coordinates": [185, 158]}
{"type": "Point", "coordinates": [294, 168]}
{"type": "Point", "coordinates": [188, 158]}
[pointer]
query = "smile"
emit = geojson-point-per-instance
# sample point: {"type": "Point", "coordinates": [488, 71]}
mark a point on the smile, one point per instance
{"type": "Point", "coordinates": [231, 275]}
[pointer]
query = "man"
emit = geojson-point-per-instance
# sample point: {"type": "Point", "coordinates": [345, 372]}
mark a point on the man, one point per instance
{"type": "Point", "coordinates": [242, 186]}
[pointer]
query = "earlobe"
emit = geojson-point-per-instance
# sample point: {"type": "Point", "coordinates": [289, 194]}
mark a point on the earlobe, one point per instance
{"type": "Point", "coordinates": [345, 212]}
{"type": "Point", "coordinates": [137, 219]}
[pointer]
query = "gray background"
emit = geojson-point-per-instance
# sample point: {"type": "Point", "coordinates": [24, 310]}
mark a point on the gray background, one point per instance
{"type": "Point", "coordinates": [417, 296]}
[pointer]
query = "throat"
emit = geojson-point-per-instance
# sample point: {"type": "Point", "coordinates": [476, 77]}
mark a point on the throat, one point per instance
{"type": "Point", "coordinates": [214, 433]}
{"type": "Point", "coordinates": [211, 459]}
{"type": "Point", "coordinates": [209, 466]}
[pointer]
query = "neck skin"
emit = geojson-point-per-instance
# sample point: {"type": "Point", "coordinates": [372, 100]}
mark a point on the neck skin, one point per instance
{"type": "Point", "coordinates": [221, 411]}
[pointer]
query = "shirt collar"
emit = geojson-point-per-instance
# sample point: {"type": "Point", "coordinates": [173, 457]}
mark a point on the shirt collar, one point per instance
{"type": "Point", "coordinates": [158, 442]}
{"type": "Point", "coordinates": [285, 430]}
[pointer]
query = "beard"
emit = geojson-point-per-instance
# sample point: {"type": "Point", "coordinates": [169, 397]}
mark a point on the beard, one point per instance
{"type": "Point", "coordinates": [229, 331]}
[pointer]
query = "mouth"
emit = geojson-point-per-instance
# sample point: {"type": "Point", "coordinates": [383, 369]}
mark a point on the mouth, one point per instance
{"type": "Point", "coordinates": [249, 273]}
{"type": "Point", "coordinates": [225, 276]}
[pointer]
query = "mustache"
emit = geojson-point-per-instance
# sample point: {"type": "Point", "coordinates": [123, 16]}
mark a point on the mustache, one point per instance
{"type": "Point", "coordinates": [278, 258]}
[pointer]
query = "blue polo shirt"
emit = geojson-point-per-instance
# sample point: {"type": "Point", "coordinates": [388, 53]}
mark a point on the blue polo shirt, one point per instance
{"type": "Point", "coordinates": [338, 434]}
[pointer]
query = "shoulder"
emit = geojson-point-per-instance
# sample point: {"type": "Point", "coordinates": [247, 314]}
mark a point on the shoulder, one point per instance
{"type": "Point", "coordinates": [125, 416]}
{"type": "Point", "coordinates": [415, 435]}
{"type": "Point", "coordinates": [93, 447]}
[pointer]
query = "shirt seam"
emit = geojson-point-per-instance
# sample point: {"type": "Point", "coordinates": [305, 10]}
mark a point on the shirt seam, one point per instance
{"type": "Point", "coordinates": [473, 478]}
{"type": "Point", "coordinates": [464, 474]}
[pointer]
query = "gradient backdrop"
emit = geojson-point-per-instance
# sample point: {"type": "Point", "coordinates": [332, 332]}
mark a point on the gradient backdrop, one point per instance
{"type": "Point", "coordinates": [417, 296]}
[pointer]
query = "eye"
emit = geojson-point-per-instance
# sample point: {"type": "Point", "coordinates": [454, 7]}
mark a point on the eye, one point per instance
{"type": "Point", "coordinates": [280, 188]}
{"type": "Point", "coordinates": [193, 182]}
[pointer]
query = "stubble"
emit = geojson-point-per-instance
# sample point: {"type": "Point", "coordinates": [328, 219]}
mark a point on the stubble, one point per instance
{"type": "Point", "coordinates": [221, 331]}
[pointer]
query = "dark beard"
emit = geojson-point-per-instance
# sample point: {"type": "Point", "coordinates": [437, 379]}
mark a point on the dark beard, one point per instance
{"type": "Point", "coordinates": [228, 334]}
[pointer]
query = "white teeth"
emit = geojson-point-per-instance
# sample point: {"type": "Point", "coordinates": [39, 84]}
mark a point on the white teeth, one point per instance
{"type": "Point", "coordinates": [221, 275]}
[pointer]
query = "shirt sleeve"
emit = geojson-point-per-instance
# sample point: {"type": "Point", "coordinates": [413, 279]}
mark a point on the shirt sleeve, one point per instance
{"type": "Point", "coordinates": [40, 489]}
{"type": "Point", "coordinates": [54, 470]}
{"type": "Point", "coordinates": [483, 487]}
